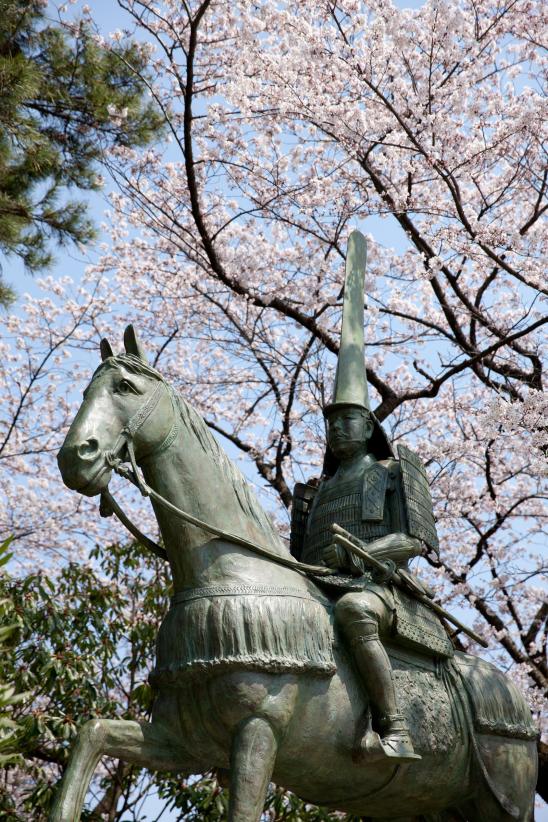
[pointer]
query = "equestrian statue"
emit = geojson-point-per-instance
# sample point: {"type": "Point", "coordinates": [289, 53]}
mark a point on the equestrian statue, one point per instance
{"type": "Point", "coordinates": [326, 667]}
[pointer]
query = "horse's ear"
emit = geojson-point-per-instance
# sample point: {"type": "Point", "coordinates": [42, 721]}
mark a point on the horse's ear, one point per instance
{"type": "Point", "coordinates": [106, 350]}
{"type": "Point", "coordinates": [133, 345]}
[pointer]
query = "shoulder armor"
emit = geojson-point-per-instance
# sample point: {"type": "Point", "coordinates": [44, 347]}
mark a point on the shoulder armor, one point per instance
{"type": "Point", "coordinates": [418, 502]}
{"type": "Point", "coordinates": [303, 496]}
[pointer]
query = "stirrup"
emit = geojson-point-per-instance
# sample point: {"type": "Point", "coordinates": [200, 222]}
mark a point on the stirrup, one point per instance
{"type": "Point", "coordinates": [394, 747]}
{"type": "Point", "coordinates": [399, 748]}
{"type": "Point", "coordinates": [396, 741]}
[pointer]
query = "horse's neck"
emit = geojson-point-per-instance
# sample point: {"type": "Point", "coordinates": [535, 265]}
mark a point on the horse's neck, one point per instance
{"type": "Point", "coordinates": [186, 474]}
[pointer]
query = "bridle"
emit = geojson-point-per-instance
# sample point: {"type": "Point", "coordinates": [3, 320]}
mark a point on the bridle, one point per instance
{"type": "Point", "coordinates": [115, 460]}
{"type": "Point", "coordinates": [130, 429]}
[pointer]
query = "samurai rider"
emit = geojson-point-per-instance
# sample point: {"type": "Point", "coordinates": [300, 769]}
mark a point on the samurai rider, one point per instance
{"type": "Point", "coordinates": [363, 491]}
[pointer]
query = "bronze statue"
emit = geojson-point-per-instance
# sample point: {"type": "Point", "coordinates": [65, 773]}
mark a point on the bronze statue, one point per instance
{"type": "Point", "coordinates": [256, 669]}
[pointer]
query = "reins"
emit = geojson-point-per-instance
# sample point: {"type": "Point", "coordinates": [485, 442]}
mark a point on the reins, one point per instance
{"type": "Point", "coordinates": [109, 506]}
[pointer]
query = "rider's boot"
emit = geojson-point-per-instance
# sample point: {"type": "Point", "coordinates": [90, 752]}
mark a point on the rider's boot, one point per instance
{"type": "Point", "coordinates": [377, 675]}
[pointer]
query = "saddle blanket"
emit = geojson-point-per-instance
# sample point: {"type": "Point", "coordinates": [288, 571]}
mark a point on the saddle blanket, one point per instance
{"type": "Point", "coordinates": [498, 706]}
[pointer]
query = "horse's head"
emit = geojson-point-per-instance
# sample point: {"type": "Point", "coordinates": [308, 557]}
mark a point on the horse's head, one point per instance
{"type": "Point", "coordinates": [126, 402]}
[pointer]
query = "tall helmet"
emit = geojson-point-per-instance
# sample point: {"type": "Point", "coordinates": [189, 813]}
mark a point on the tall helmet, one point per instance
{"type": "Point", "coordinates": [350, 389]}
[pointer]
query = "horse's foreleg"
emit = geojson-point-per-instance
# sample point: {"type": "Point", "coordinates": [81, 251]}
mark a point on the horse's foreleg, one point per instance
{"type": "Point", "coordinates": [146, 744]}
{"type": "Point", "coordinates": [251, 764]}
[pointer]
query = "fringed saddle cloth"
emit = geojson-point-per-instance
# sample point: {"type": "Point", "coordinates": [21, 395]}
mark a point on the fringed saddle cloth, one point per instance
{"type": "Point", "coordinates": [254, 627]}
{"type": "Point", "coordinates": [498, 707]}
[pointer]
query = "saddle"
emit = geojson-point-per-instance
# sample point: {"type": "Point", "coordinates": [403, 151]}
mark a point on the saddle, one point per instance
{"type": "Point", "coordinates": [415, 627]}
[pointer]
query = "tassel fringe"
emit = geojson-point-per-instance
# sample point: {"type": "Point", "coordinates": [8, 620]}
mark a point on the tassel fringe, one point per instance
{"type": "Point", "coordinates": [246, 631]}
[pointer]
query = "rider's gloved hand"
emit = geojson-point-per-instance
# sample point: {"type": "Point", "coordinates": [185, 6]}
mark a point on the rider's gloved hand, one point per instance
{"type": "Point", "coordinates": [334, 556]}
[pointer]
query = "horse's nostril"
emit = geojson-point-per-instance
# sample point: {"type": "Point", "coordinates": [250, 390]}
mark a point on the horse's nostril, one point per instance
{"type": "Point", "coordinates": [88, 449]}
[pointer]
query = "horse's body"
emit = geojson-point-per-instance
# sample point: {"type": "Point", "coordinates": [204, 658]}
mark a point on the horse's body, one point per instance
{"type": "Point", "coordinates": [250, 693]}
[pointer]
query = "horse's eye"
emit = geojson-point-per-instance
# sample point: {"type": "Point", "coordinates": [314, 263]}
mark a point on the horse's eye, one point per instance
{"type": "Point", "coordinates": [125, 387]}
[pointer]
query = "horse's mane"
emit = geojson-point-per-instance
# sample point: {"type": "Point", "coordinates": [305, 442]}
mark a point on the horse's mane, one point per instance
{"type": "Point", "coordinates": [247, 500]}
{"type": "Point", "coordinates": [245, 496]}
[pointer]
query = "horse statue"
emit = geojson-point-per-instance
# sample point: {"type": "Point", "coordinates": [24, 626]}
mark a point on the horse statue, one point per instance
{"type": "Point", "coordinates": [250, 676]}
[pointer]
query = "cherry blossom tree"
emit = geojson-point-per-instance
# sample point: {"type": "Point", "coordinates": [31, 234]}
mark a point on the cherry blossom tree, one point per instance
{"type": "Point", "coordinates": [290, 124]}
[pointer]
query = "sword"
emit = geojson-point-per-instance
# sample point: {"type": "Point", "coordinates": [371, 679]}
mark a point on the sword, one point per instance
{"type": "Point", "coordinates": [389, 572]}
